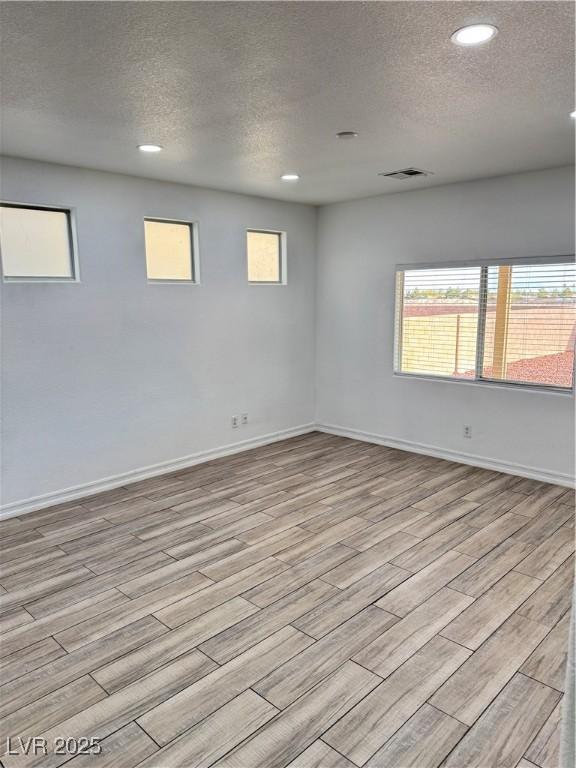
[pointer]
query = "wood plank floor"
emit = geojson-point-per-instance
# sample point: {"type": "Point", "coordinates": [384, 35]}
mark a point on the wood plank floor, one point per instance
{"type": "Point", "coordinates": [316, 603]}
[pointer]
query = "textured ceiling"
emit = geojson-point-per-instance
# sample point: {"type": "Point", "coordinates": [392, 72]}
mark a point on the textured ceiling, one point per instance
{"type": "Point", "coordinates": [241, 92]}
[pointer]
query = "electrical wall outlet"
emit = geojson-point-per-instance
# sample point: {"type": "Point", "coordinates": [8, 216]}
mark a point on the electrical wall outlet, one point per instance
{"type": "Point", "coordinates": [244, 418]}
{"type": "Point", "coordinates": [467, 430]}
{"type": "Point", "coordinates": [235, 422]}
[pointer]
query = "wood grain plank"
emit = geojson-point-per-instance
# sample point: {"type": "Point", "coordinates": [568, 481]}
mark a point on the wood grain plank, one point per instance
{"type": "Point", "coordinates": [14, 619]}
{"type": "Point", "coordinates": [170, 543]}
{"type": "Point", "coordinates": [491, 568]}
{"type": "Point", "coordinates": [105, 623]}
{"type": "Point", "coordinates": [177, 569]}
{"type": "Point", "coordinates": [549, 555]}
{"type": "Point", "coordinates": [377, 532]}
{"type": "Point", "coordinates": [488, 538]}
{"type": "Point", "coordinates": [133, 665]}
{"type": "Point", "coordinates": [32, 686]}
{"type": "Point", "coordinates": [27, 634]}
{"type": "Point", "coordinates": [128, 509]}
{"type": "Point", "coordinates": [484, 675]}
{"type": "Point", "coordinates": [27, 550]}
{"type": "Point", "coordinates": [28, 577]}
{"type": "Point", "coordinates": [284, 522]}
{"type": "Point", "coordinates": [28, 594]}
{"type": "Point", "coordinates": [233, 586]}
{"type": "Point", "coordinates": [544, 524]}
{"type": "Point", "coordinates": [551, 601]}
{"type": "Point", "coordinates": [457, 490]}
{"type": "Point", "coordinates": [404, 638]}
{"type": "Point", "coordinates": [43, 713]}
{"type": "Point", "coordinates": [492, 488]}
{"type": "Point", "coordinates": [541, 497]}
{"type": "Point", "coordinates": [60, 532]}
{"type": "Point", "coordinates": [422, 585]}
{"type": "Point", "coordinates": [27, 659]}
{"type": "Point", "coordinates": [474, 625]}
{"type": "Point", "coordinates": [291, 482]}
{"type": "Point", "coordinates": [112, 713]}
{"type": "Point", "coordinates": [347, 602]}
{"type": "Point", "coordinates": [287, 683]}
{"type": "Point", "coordinates": [178, 713]}
{"type": "Point", "coordinates": [409, 496]}
{"type": "Point", "coordinates": [124, 552]}
{"type": "Point", "coordinates": [216, 735]}
{"type": "Point", "coordinates": [360, 565]}
{"type": "Point", "coordinates": [431, 548]}
{"type": "Point", "coordinates": [123, 749]}
{"type": "Point", "coordinates": [442, 517]}
{"type": "Point", "coordinates": [298, 726]}
{"type": "Point", "coordinates": [243, 635]}
{"type": "Point", "coordinates": [505, 730]}
{"type": "Point", "coordinates": [12, 567]}
{"type": "Point", "coordinates": [547, 664]}
{"type": "Point", "coordinates": [315, 544]}
{"type": "Point", "coordinates": [422, 742]}
{"type": "Point", "coordinates": [544, 751]}
{"type": "Point", "coordinates": [367, 726]}
{"type": "Point", "coordinates": [65, 598]}
{"type": "Point", "coordinates": [279, 586]}
{"type": "Point", "coordinates": [491, 510]}
{"type": "Point", "coordinates": [320, 755]}
{"type": "Point", "coordinates": [249, 555]}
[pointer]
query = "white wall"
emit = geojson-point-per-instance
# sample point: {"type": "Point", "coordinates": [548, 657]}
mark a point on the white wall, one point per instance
{"type": "Point", "coordinates": [113, 375]}
{"type": "Point", "coordinates": [360, 243]}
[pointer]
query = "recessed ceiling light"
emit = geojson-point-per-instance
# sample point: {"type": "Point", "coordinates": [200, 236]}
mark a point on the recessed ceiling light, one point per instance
{"type": "Point", "coordinates": [475, 34]}
{"type": "Point", "coordinates": [289, 177]}
{"type": "Point", "coordinates": [573, 114]}
{"type": "Point", "coordinates": [347, 135]}
{"type": "Point", "coordinates": [150, 148]}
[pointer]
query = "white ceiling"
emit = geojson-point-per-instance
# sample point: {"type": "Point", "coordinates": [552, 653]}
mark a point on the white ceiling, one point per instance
{"type": "Point", "coordinates": [241, 92]}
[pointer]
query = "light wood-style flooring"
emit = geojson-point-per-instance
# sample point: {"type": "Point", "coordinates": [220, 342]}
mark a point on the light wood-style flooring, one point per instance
{"type": "Point", "coordinates": [315, 603]}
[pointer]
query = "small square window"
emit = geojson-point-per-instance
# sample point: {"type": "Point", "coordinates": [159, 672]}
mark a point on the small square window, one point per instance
{"type": "Point", "coordinates": [36, 243]}
{"type": "Point", "coordinates": [265, 257]}
{"type": "Point", "coordinates": [170, 250]}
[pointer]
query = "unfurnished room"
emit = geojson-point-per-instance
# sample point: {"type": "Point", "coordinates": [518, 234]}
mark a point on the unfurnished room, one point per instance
{"type": "Point", "coordinates": [288, 303]}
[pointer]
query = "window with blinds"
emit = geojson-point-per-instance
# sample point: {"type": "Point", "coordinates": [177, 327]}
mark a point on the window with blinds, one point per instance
{"type": "Point", "coordinates": [501, 322]}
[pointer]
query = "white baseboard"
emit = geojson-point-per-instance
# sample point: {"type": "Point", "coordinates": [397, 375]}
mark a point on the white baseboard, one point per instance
{"type": "Point", "coordinates": [509, 468]}
{"type": "Point", "coordinates": [17, 508]}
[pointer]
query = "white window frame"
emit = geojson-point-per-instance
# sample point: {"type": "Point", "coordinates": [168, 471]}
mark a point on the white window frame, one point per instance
{"type": "Point", "coordinates": [283, 260]}
{"type": "Point", "coordinates": [72, 244]}
{"type": "Point", "coordinates": [194, 247]}
{"type": "Point", "coordinates": [478, 379]}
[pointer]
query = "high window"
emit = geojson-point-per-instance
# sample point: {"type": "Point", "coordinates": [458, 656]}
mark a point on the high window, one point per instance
{"type": "Point", "coordinates": [266, 256]}
{"type": "Point", "coordinates": [36, 243]}
{"type": "Point", "coordinates": [171, 250]}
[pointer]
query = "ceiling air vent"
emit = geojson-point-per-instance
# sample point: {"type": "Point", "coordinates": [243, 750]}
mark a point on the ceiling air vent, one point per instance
{"type": "Point", "coordinates": [406, 173]}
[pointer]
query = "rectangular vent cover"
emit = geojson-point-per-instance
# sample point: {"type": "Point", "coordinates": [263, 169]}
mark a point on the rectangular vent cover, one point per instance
{"type": "Point", "coordinates": [406, 173]}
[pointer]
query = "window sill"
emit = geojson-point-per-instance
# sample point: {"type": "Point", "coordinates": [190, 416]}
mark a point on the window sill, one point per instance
{"type": "Point", "coordinates": [486, 384]}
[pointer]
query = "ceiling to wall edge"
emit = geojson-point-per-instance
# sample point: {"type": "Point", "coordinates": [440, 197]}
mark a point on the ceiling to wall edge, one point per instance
{"type": "Point", "coordinates": [228, 191]}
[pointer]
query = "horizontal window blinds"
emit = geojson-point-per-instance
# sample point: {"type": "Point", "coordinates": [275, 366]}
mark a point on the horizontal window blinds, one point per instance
{"type": "Point", "coordinates": [513, 323]}
{"type": "Point", "coordinates": [530, 324]}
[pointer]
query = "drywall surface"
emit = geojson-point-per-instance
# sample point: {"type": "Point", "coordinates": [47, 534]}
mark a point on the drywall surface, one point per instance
{"type": "Point", "coordinates": [112, 375]}
{"type": "Point", "coordinates": [359, 244]}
